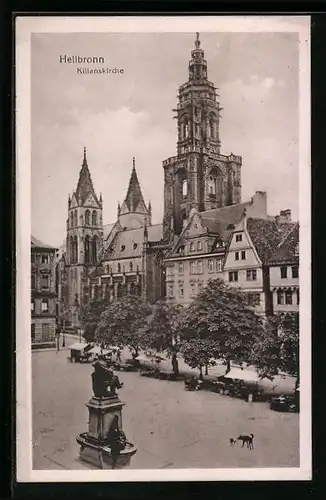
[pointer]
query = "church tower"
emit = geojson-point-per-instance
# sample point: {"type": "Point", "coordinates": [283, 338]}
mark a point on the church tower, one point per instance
{"type": "Point", "coordinates": [84, 238]}
{"type": "Point", "coordinates": [199, 176]}
{"type": "Point", "coordinates": [133, 212]}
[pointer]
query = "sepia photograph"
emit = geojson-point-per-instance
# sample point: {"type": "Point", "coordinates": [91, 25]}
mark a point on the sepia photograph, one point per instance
{"type": "Point", "coordinates": [163, 231]}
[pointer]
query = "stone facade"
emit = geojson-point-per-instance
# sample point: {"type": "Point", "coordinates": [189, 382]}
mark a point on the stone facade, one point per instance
{"type": "Point", "coordinates": [43, 292]}
{"type": "Point", "coordinates": [199, 176]}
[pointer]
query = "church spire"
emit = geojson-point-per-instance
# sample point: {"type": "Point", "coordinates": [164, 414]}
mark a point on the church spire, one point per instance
{"type": "Point", "coordinates": [134, 198]}
{"type": "Point", "coordinates": [85, 183]}
{"type": "Point", "coordinates": [133, 211]}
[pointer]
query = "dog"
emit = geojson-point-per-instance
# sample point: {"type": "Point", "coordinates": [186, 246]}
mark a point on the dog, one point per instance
{"type": "Point", "coordinates": [248, 439]}
{"type": "Point", "coordinates": [232, 441]}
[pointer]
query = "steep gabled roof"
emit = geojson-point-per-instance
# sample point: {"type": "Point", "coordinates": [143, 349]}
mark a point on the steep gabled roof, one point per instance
{"type": "Point", "coordinates": [222, 220]}
{"type": "Point", "coordinates": [134, 201]}
{"type": "Point", "coordinates": [85, 183]}
{"type": "Point", "coordinates": [129, 242]}
{"type": "Point", "coordinates": [287, 249]}
{"type": "Point", "coordinates": [35, 243]}
{"type": "Point", "coordinates": [266, 235]}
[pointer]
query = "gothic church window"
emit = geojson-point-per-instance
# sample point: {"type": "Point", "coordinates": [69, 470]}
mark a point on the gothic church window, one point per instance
{"type": "Point", "coordinates": [71, 219]}
{"type": "Point", "coordinates": [130, 266]}
{"type": "Point", "coordinates": [76, 249]}
{"type": "Point", "coordinates": [87, 250]}
{"type": "Point", "coordinates": [184, 188]}
{"type": "Point", "coordinates": [94, 249]}
{"type": "Point", "coordinates": [211, 185]}
{"type": "Point", "coordinates": [75, 218]}
{"type": "Point", "coordinates": [119, 268]}
{"type": "Point", "coordinates": [87, 217]}
{"type": "Point", "coordinates": [81, 220]}
{"type": "Point", "coordinates": [94, 218]}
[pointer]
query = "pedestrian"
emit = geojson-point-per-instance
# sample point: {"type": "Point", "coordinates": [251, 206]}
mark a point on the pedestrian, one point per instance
{"type": "Point", "coordinates": [119, 356]}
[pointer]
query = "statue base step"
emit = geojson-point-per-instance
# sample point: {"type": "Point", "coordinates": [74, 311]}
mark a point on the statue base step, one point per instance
{"type": "Point", "coordinates": [93, 452]}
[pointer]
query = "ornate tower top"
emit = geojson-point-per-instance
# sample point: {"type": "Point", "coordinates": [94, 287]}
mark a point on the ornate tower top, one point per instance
{"type": "Point", "coordinates": [133, 203]}
{"type": "Point", "coordinates": [197, 65]}
{"type": "Point", "coordinates": [85, 184]}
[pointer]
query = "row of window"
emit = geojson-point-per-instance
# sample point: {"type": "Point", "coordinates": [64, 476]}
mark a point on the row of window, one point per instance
{"type": "Point", "coordinates": [286, 297]}
{"type": "Point", "coordinates": [241, 254]}
{"type": "Point", "coordinates": [90, 218]}
{"type": "Point", "coordinates": [45, 281]}
{"type": "Point", "coordinates": [90, 248]}
{"type": "Point", "coordinates": [46, 332]}
{"type": "Point", "coordinates": [193, 247]}
{"type": "Point", "coordinates": [44, 305]}
{"type": "Point", "coordinates": [44, 258]}
{"type": "Point", "coordinates": [251, 275]}
{"type": "Point", "coordinates": [294, 269]}
{"type": "Point", "coordinates": [122, 268]}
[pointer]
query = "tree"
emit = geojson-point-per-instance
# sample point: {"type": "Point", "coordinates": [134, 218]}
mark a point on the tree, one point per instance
{"type": "Point", "coordinates": [123, 323]}
{"type": "Point", "coordinates": [90, 314]}
{"type": "Point", "coordinates": [161, 330]}
{"type": "Point", "coordinates": [221, 315]}
{"type": "Point", "coordinates": [276, 348]}
{"type": "Point", "coordinates": [199, 352]}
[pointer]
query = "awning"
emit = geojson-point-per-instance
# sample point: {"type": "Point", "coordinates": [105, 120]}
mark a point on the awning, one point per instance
{"type": "Point", "coordinates": [77, 346]}
{"type": "Point", "coordinates": [97, 350]}
{"type": "Point", "coordinates": [248, 375]}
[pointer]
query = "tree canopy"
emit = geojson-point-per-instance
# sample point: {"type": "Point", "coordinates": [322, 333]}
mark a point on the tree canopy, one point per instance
{"type": "Point", "coordinates": [90, 314]}
{"type": "Point", "coordinates": [221, 316]}
{"type": "Point", "coordinates": [123, 323]}
{"type": "Point", "coordinates": [276, 349]}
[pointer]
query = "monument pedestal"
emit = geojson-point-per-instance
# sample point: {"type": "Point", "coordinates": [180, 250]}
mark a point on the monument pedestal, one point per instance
{"type": "Point", "coordinates": [94, 446]}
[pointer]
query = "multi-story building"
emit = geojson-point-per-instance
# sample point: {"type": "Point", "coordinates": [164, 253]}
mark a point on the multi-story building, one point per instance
{"type": "Point", "coordinates": [284, 273]}
{"type": "Point", "coordinates": [43, 292]}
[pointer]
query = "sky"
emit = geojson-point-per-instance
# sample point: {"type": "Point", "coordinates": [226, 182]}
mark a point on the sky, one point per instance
{"type": "Point", "coordinates": [120, 116]}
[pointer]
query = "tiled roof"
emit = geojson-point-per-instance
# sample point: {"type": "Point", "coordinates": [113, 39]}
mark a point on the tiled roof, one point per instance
{"type": "Point", "coordinates": [35, 243]}
{"type": "Point", "coordinates": [129, 243]}
{"type": "Point", "coordinates": [107, 228]}
{"type": "Point", "coordinates": [267, 234]}
{"type": "Point", "coordinates": [286, 251]}
{"type": "Point", "coordinates": [222, 220]}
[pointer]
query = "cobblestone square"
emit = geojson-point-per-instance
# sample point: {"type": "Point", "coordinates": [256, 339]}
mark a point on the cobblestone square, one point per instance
{"type": "Point", "coordinates": [171, 427]}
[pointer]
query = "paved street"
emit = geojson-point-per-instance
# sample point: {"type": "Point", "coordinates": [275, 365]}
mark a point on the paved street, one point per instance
{"type": "Point", "coordinates": [171, 427]}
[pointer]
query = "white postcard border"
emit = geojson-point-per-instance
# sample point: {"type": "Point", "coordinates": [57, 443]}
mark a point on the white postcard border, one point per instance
{"type": "Point", "coordinates": [25, 26]}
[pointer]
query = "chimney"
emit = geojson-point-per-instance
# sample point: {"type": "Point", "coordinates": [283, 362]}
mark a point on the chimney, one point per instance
{"type": "Point", "coordinates": [285, 216]}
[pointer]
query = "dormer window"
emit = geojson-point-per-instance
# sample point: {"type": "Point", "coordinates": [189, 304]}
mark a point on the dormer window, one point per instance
{"type": "Point", "coordinates": [192, 247]}
{"type": "Point", "coordinates": [238, 237]}
{"type": "Point", "coordinates": [199, 245]}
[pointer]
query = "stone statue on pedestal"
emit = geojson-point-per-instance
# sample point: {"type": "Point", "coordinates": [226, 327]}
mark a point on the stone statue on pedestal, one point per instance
{"type": "Point", "coordinates": [104, 378]}
{"type": "Point", "coordinates": [105, 444]}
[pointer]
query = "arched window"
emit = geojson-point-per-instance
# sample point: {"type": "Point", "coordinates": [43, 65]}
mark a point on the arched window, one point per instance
{"type": "Point", "coordinates": [94, 218]}
{"type": "Point", "coordinates": [75, 218]}
{"type": "Point", "coordinates": [71, 219]}
{"type": "Point", "coordinates": [130, 266]}
{"type": "Point", "coordinates": [94, 249]}
{"type": "Point", "coordinates": [118, 290]}
{"type": "Point", "coordinates": [211, 185]}
{"type": "Point", "coordinates": [87, 217]}
{"type": "Point", "coordinates": [212, 128]}
{"type": "Point", "coordinates": [76, 248]}
{"type": "Point", "coordinates": [119, 267]}
{"type": "Point", "coordinates": [184, 188]}
{"type": "Point", "coordinates": [186, 130]}
{"type": "Point", "coordinates": [71, 246]}
{"type": "Point", "coordinates": [87, 250]}
{"type": "Point", "coordinates": [81, 220]}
